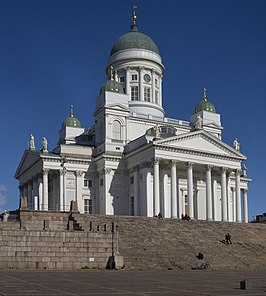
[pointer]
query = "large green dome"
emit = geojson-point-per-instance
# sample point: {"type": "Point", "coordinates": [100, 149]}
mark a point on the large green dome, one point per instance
{"type": "Point", "coordinates": [112, 85]}
{"type": "Point", "coordinates": [134, 40]}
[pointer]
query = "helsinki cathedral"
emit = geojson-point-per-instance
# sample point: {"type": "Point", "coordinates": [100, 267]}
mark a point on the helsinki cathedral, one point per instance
{"type": "Point", "coordinates": [134, 160]}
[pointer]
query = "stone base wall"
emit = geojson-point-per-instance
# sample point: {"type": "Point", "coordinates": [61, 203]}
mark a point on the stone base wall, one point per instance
{"type": "Point", "coordinates": [41, 240]}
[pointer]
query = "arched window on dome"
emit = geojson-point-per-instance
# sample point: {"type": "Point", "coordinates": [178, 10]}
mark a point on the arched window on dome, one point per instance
{"type": "Point", "coordinates": [116, 130]}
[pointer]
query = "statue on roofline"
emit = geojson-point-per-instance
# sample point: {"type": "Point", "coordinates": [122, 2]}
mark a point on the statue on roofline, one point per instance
{"type": "Point", "coordinates": [244, 170]}
{"type": "Point", "coordinates": [44, 145]}
{"type": "Point", "coordinates": [236, 144]}
{"type": "Point", "coordinates": [31, 142]}
{"type": "Point", "coordinates": [198, 122]}
{"type": "Point", "coordinates": [157, 129]}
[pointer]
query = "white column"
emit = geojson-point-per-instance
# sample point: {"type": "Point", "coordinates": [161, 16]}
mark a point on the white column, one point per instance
{"type": "Point", "coordinates": [229, 200]}
{"type": "Point", "coordinates": [79, 183]}
{"type": "Point", "coordinates": [136, 192]}
{"type": "Point", "coordinates": [160, 90]}
{"type": "Point", "coordinates": [29, 201]}
{"type": "Point", "coordinates": [224, 195]}
{"type": "Point", "coordinates": [128, 81]}
{"type": "Point", "coordinates": [141, 95]}
{"type": "Point", "coordinates": [156, 186]}
{"type": "Point", "coordinates": [146, 198]}
{"type": "Point", "coordinates": [152, 86]}
{"type": "Point", "coordinates": [35, 194]}
{"type": "Point", "coordinates": [45, 189]}
{"type": "Point", "coordinates": [190, 190]}
{"type": "Point", "coordinates": [21, 191]}
{"type": "Point", "coordinates": [214, 200]}
{"type": "Point", "coordinates": [108, 177]}
{"type": "Point", "coordinates": [173, 190]}
{"type": "Point", "coordinates": [234, 204]}
{"type": "Point", "coordinates": [40, 193]}
{"type": "Point", "coordinates": [116, 75]}
{"type": "Point", "coordinates": [166, 197]}
{"type": "Point", "coordinates": [25, 191]}
{"type": "Point", "coordinates": [62, 173]}
{"type": "Point", "coordinates": [238, 196]}
{"type": "Point", "coordinates": [245, 205]}
{"type": "Point", "coordinates": [182, 202]}
{"type": "Point", "coordinates": [208, 193]}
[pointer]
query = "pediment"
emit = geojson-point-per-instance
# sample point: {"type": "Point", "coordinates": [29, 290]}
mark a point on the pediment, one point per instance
{"type": "Point", "coordinates": [28, 159]}
{"type": "Point", "coordinates": [213, 124]}
{"type": "Point", "coordinates": [200, 141]}
{"type": "Point", "coordinates": [118, 106]}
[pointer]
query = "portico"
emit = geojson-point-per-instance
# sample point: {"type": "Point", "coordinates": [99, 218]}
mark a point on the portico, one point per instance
{"type": "Point", "coordinates": [181, 194]}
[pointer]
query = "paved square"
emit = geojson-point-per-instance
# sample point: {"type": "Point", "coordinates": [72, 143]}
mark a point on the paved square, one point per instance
{"type": "Point", "coordinates": [198, 282]}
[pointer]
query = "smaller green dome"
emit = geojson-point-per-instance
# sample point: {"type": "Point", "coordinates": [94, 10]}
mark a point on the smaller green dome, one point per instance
{"type": "Point", "coordinates": [205, 105]}
{"type": "Point", "coordinates": [112, 85]}
{"type": "Point", "coordinates": [71, 121]}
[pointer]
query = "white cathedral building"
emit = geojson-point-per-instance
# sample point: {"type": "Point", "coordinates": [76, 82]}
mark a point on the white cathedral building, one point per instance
{"type": "Point", "coordinates": [135, 160]}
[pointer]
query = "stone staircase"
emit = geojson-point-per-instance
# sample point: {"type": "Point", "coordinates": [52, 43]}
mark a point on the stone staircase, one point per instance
{"type": "Point", "coordinates": [150, 243]}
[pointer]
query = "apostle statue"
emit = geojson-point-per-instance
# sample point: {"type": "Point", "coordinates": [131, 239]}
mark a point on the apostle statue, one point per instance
{"type": "Point", "coordinates": [157, 131]}
{"type": "Point", "coordinates": [244, 170]}
{"type": "Point", "coordinates": [31, 143]}
{"type": "Point", "coordinates": [44, 145]}
{"type": "Point", "coordinates": [198, 122]}
{"type": "Point", "coordinates": [236, 144]}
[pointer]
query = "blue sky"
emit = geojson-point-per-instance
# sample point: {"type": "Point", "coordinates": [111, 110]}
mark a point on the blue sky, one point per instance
{"type": "Point", "coordinates": [53, 54]}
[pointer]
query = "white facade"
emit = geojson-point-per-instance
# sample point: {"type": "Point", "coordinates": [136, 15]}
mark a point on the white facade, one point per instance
{"type": "Point", "coordinates": [136, 161]}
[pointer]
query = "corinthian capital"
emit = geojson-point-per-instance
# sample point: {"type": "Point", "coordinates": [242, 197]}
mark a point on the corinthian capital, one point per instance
{"type": "Point", "coordinates": [45, 171]}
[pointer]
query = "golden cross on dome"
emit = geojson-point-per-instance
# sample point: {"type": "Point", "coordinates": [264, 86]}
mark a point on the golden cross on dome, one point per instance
{"type": "Point", "coordinates": [134, 17]}
{"type": "Point", "coordinates": [205, 94]}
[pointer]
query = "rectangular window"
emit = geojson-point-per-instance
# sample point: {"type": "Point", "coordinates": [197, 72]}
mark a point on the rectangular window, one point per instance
{"type": "Point", "coordinates": [134, 93]}
{"type": "Point", "coordinates": [134, 77]}
{"type": "Point", "coordinates": [122, 79]}
{"type": "Point", "coordinates": [87, 183]}
{"type": "Point", "coordinates": [156, 97]}
{"type": "Point", "coordinates": [87, 206]}
{"type": "Point", "coordinates": [156, 81]}
{"type": "Point", "coordinates": [101, 182]}
{"type": "Point", "coordinates": [131, 180]}
{"type": "Point", "coordinates": [147, 94]}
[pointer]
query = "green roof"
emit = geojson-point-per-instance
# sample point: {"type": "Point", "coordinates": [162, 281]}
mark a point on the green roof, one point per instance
{"type": "Point", "coordinates": [112, 85]}
{"type": "Point", "coordinates": [205, 105]}
{"type": "Point", "coordinates": [71, 121]}
{"type": "Point", "coordinates": [134, 39]}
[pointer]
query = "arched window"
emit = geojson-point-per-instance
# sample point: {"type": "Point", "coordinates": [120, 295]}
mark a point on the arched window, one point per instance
{"type": "Point", "coordinates": [116, 130]}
